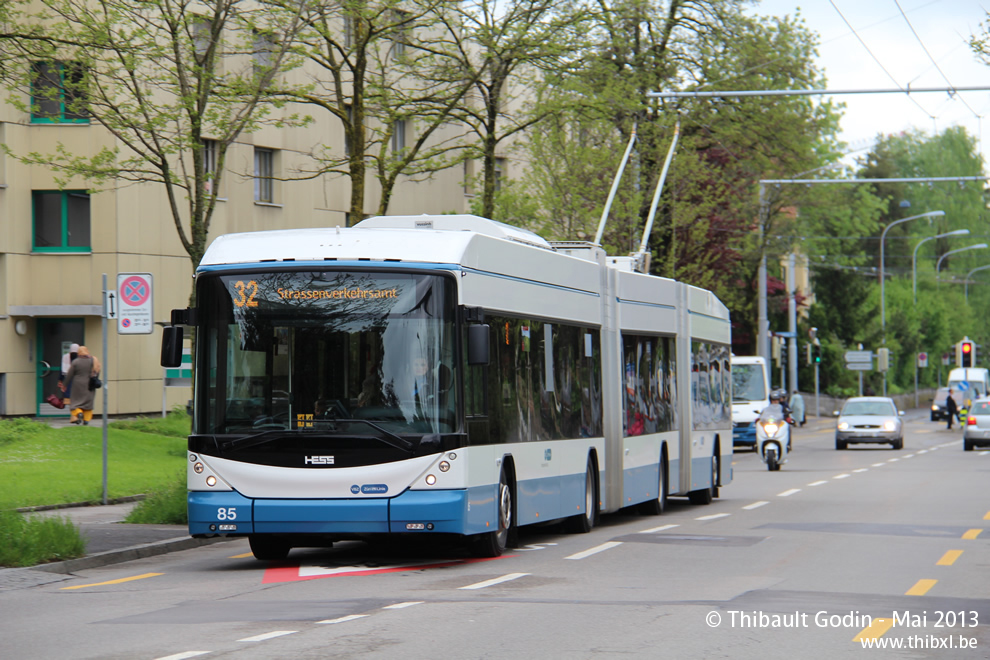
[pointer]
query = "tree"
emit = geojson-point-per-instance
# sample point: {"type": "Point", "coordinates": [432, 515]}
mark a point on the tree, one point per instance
{"type": "Point", "coordinates": [174, 82]}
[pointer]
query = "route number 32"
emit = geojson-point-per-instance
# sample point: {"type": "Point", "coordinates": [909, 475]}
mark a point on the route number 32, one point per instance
{"type": "Point", "coordinates": [246, 293]}
{"type": "Point", "coordinates": [227, 514]}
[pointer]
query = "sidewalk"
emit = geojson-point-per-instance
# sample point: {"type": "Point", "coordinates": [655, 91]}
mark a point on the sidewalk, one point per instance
{"type": "Point", "coordinates": [108, 541]}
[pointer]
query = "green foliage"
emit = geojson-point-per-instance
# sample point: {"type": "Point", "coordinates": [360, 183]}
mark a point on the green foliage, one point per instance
{"type": "Point", "coordinates": [165, 505]}
{"type": "Point", "coordinates": [57, 466]}
{"type": "Point", "coordinates": [17, 428]}
{"type": "Point", "coordinates": [176, 425]}
{"type": "Point", "coordinates": [36, 540]}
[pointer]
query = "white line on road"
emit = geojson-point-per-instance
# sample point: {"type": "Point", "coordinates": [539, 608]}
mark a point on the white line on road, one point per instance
{"type": "Point", "coordinates": [817, 483]}
{"type": "Point", "coordinates": [844, 475]}
{"type": "Point", "coordinates": [268, 635]}
{"type": "Point", "coordinates": [658, 529]}
{"type": "Point", "coordinates": [756, 505]}
{"type": "Point", "coordinates": [862, 470]}
{"type": "Point", "coordinates": [893, 460]}
{"type": "Point", "coordinates": [494, 581]}
{"type": "Point", "coordinates": [402, 606]}
{"type": "Point", "coordinates": [183, 656]}
{"type": "Point", "coordinates": [714, 516]}
{"type": "Point", "coordinates": [788, 493]}
{"type": "Point", "coordinates": [878, 465]}
{"type": "Point", "coordinates": [595, 550]}
{"type": "Point", "coordinates": [908, 456]}
{"type": "Point", "coordinates": [344, 619]}
{"type": "Point", "coordinates": [922, 451]}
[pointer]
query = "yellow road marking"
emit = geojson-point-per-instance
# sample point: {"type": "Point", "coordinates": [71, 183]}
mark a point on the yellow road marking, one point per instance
{"type": "Point", "coordinates": [972, 534]}
{"type": "Point", "coordinates": [921, 587]}
{"type": "Point", "coordinates": [875, 630]}
{"type": "Point", "coordinates": [121, 580]}
{"type": "Point", "coordinates": [244, 556]}
{"type": "Point", "coordinates": [949, 558]}
{"type": "Point", "coordinates": [987, 517]}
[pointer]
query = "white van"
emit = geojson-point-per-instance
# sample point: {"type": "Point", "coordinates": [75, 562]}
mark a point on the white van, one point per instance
{"type": "Point", "coordinates": [750, 395]}
{"type": "Point", "coordinates": [977, 383]}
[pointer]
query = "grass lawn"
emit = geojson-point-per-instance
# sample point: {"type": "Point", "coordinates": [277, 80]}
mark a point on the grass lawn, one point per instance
{"type": "Point", "coordinates": [40, 465]}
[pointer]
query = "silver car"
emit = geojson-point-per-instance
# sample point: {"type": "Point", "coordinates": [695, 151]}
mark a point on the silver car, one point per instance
{"type": "Point", "coordinates": [872, 419]}
{"type": "Point", "coordinates": [976, 430]}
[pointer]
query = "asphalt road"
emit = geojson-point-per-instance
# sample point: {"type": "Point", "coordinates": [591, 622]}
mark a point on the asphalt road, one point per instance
{"type": "Point", "coordinates": [801, 563]}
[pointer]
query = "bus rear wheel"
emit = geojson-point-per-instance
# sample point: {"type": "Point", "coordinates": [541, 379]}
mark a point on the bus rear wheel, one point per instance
{"type": "Point", "coordinates": [493, 544]}
{"type": "Point", "coordinates": [268, 548]}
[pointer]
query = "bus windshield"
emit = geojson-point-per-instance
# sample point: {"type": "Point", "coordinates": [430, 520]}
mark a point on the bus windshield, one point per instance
{"type": "Point", "coordinates": [748, 383]}
{"type": "Point", "coordinates": [316, 351]}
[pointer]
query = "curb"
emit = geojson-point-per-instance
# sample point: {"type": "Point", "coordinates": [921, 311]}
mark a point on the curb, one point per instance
{"type": "Point", "coordinates": [129, 554]}
{"type": "Point", "coordinates": [76, 505]}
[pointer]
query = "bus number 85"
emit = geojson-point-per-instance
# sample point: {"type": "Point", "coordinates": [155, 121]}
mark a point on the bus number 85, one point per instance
{"type": "Point", "coordinates": [227, 514]}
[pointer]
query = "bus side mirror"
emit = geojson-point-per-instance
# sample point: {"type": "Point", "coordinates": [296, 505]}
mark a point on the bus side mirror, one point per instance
{"type": "Point", "coordinates": [478, 348]}
{"type": "Point", "coordinates": [172, 346]}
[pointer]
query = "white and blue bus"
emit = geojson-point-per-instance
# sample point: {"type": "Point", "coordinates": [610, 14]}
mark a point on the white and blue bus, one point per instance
{"type": "Point", "coordinates": [443, 375]}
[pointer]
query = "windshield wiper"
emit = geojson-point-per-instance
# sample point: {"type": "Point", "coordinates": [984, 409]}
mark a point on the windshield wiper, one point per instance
{"type": "Point", "coordinates": [390, 438]}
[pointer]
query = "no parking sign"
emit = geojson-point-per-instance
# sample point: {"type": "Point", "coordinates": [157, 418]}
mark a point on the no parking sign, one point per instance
{"type": "Point", "coordinates": [135, 310]}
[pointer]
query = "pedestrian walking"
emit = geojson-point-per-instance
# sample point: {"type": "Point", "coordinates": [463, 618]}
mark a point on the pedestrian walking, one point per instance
{"type": "Point", "coordinates": [797, 407]}
{"type": "Point", "coordinates": [79, 376]}
{"type": "Point", "coordinates": [66, 363]}
{"type": "Point", "coordinates": [951, 409]}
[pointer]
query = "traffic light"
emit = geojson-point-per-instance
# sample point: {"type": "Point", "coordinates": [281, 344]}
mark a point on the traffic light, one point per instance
{"type": "Point", "coordinates": [817, 353]}
{"type": "Point", "coordinates": [883, 358]}
{"type": "Point", "coordinates": [808, 354]}
{"type": "Point", "coordinates": [966, 351]}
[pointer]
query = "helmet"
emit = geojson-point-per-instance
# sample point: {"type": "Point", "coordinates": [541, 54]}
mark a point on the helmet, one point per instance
{"type": "Point", "coordinates": [778, 395]}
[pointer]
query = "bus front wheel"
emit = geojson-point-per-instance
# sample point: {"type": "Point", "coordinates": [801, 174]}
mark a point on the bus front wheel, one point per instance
{"type": "Point", "coordinates": [268, 548]}
{"type": "Point", "coordinates": [493, 544]}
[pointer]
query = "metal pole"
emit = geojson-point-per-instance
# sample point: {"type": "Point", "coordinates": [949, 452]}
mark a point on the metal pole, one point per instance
{"type": "Point", "coordinates": [763, 340]}
{"type": "Point", "coordinates": [818, 408]}
{"type": "Point", "coordinates": [914, 257]}
{"type": "Point", "coordinates": [656, 194]}
{"type": "Point", "coordinates": [813, 92]}
{"type": "Point", "coordinates": [970, 274]}
{"type": "Point", "coordinates": [792, 357]}
{"type": "Point", "coordinates": [106, 387]}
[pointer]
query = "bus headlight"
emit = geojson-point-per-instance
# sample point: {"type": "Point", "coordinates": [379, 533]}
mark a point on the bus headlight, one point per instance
{"type": "Point", "coordinates": [430, 480]}
{"type": "Point", "coordinates": [198, 468]}
{"type": "Point", "coordinates": [444, 466]}
{"type": "Point", "coordinates": [211, 480]}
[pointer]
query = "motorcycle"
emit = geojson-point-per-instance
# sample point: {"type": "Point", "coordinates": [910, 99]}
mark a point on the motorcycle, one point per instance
{"type": "Point", "coordinates": [773, 436]}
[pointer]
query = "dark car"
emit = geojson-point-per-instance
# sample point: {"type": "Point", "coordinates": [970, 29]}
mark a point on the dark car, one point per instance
{"type": "Point", "coordinates": [938, 404]}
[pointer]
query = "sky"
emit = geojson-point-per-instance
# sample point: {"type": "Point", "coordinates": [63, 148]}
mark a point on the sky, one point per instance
{"type": "Point", "coordinates": [882, 47]}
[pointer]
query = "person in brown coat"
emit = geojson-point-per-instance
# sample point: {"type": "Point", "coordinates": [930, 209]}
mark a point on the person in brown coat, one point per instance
{"type": "Point", "coordinates": [80, 371]}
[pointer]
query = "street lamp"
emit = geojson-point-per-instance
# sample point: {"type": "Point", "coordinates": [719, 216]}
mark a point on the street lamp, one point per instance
{"type": "Point", "coordinates": [883, 235]}
{"type": "Point", "coordinates": [914, 259]}
{"type": "Point", "coordinates": [978, 246]}
{"type": "Point", "coordinates": [969, 275]}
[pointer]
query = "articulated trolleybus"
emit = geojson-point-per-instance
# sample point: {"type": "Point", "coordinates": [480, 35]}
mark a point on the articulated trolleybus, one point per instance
{"type": "Point", "coordinates": [443, 375]}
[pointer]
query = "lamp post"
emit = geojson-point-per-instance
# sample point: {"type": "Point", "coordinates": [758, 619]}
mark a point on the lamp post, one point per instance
{"type": "Point", "coordinates": [970, 274]}
{"type": "Point", "coordinates": [883, 235]}
{"type": "Point", "coordinates": [914, 259]}
{"type": "Point", "coordinates": [938, 266]}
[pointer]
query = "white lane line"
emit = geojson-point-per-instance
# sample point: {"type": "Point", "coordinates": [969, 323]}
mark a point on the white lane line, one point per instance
{"type": "Point", "coordinates": [893, 460]}
{"type": "Point", "coordinates": [402, 606]}
{"type": "Point", "coordinates": [922, 451]}
{"type": "Point", "coordinates": [494, 581]}
{"type": "Point", "coordinates": [183, 656]}
{"type": "Point", "coordinates": [268, 635]}
{"type": "Point", "coordinates": [878, 465]}
{"type": "Point", "coordinates": [817, 483]}
{"type": "Point", "coordinates": [844, 475]}
{"type": "Point", "coordinates": [595, 550]}
{"type": "Point", "coordinates": [344, 619]}
{"type": "Point", "coordinates": [714, 516]}
{"type": "Point", "coordinates": [658, 529]}
{"type": "Point", "coordinates": [861, 470]}
{"type": "Point", "coordinates": [788, 493]}
{"type": "Point", "coordinates": [756, 505]}
{"type": "Point", "coordinates": [908, 456]}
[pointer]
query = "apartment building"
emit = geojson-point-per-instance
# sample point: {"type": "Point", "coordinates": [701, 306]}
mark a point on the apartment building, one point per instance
{"type": "Point", "coordinates": [56, 243]}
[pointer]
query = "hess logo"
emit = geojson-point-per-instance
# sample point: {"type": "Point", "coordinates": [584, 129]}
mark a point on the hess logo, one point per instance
{"type": "Point", "coordinates": [318, 460]}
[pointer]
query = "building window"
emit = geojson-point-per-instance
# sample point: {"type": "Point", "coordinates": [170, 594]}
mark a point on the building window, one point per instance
{"type": "Point", "coordinates": [349, 109]}
{"type": "Point", "coordinates": [264, 52]}
{"type": "Point", "coordinates": [202, 37]}
{"type": "Point", "coordinates": [61, 221]}
{"type": "Point", "coordinates": [348, 31]}
{"type": "Point", "coordinates": [264, 172]}
{"type": "Point", "coordinates": [210, 150]}
{"type": "Point", "coordinates": [57, 93]}
{"type": "Point", "coordinates": [400, 32]}
{"type": "Point", "coordinates": [499, 173]}
{"type": "Point", "coordinates": [399, 136]}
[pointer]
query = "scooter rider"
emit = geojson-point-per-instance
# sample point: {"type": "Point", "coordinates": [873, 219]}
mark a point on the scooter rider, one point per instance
{"type": "Point", "coordinates": [780, 397]}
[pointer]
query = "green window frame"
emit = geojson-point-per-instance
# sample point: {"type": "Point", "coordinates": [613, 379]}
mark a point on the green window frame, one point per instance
{"type": "Point", "coordinates": [61, 221]}
{"type": "Point", "coordinates": [52, 100]}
